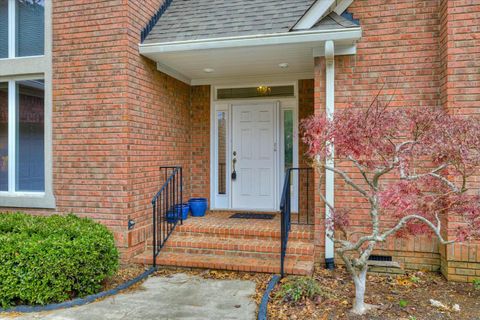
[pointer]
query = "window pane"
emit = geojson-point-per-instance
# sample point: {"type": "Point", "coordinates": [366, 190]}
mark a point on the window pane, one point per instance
{"type": "Point", "coordinates": [222, 152]}
{"type": "Point", "coordinates": [30, 158]}
{"type": "Point", "coordinates": [255, 92]}
{"type": "Point", "coordinates": [3, 28]}
{"type": "Point", "coordinates": [3, 136]}
{"type": "Point", "coordinates": [288, 138]}
{"type": "Point", "coordinates": [30, 27]}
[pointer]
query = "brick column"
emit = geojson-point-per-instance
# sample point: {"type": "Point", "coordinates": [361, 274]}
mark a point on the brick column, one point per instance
{"type": "Point", "coordinates": [319, 107]}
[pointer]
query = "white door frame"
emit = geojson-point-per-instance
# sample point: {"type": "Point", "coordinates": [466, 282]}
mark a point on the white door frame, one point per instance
{"type": "Point", "coordinates": [224, 202]}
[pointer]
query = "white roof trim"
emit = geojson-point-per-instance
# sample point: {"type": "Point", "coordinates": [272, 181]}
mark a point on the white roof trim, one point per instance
{"type": "Point", "coordinates": [347, 34]}
{"type": "Point", "coordinates": [342, 6]}
{"type": "Point", "coordinates": [318, 10]}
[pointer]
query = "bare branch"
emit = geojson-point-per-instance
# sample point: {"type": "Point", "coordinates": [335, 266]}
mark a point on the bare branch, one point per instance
{"type": "Point", "coordinates": [404, 220]}
{"type": "Point", "coordinates": [329, 205]}
{"type": "Point", "coordinates": [349, 181]}
{"type": "Point", "coordinates": [348, 264]}
{"type": "Point", "coordinates": [433, 173]}
{"type": "Point", "coordinates": [359, 243]}
{"type": "Point", "coordinates": [450, 184]}
{"type": "Point", "coordinates": [362, 171]}
{"type": "Point", "coordinates": [362, 260]}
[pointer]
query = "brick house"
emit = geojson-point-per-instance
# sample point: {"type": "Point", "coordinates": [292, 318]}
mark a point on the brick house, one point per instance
{"type": "Point", "coordinates": [95, 96]}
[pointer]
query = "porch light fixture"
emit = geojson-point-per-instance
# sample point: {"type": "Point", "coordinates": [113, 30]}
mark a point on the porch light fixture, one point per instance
{"type": "Point", "coordinates": [264, 90]}
{"type": "Point", "coordinates": [208, 70]}
{"type": "Point", "coordinates": [283, 65]}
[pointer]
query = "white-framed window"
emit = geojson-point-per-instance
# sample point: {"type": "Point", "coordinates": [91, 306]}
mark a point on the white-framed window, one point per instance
{"type": "Point", "coordinates": [22, 136]}
{"type": "Point", "coordinates": [26, 167]}
{"type": "Point", "coordinates": [22, 28]}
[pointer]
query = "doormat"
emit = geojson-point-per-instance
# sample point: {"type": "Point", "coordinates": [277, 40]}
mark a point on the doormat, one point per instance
{"type": "Point", "coordinates": [247, 215]}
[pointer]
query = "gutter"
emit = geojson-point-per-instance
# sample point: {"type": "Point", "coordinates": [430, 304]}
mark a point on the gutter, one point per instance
{"type": "Point", "coordinates": [345, 34]}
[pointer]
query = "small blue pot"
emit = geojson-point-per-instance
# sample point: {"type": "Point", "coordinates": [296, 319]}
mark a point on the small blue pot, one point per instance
{"type": "Point", "coordinates": [198, 206]}
{"type": "Point", "coordinates": [171, 216]}
{"type": "Point", "coordinates": [182, 210]}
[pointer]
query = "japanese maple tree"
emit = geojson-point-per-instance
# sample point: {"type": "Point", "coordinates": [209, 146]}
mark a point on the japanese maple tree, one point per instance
{"type": "Point", "coordinates": [416, 166]}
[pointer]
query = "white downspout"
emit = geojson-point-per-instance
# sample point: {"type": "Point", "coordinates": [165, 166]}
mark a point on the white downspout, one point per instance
{"type": "Point", "coordinates": [329, 175]}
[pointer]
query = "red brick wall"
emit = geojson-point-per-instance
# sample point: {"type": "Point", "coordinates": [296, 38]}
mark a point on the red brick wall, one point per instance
{"type": "Point", "coordinates": [425, 53]}
{"type": "Point", "coordinates": [158, 123]}
{"type": "Point", "coordinates": [90, 123]}
{"type": "Point", "coordinates": [306, 178]}
{"type": "Point", "coordinates": [319, 108]}
{"type": "Point", "coordinates": [460, 91]}
{"type": "Point", "coordinates": [116, 119]}
{"type": "Point", "coordinates": [398, 50]}
{"type": "Point", "coordinates": [200, 142]}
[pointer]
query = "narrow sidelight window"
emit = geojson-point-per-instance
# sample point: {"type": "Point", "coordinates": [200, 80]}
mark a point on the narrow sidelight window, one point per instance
{"type": "Point", "coordinates": [288, 138]}
{"type": "Point", "coordinates": [222, 152]}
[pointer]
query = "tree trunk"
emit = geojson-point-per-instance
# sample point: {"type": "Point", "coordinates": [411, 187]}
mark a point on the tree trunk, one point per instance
{"type": "Point", "coordinates": [360, 280]}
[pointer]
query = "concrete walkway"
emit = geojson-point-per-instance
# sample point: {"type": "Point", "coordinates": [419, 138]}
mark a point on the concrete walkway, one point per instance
{"type": "Point", "coordinates": [178, 297]}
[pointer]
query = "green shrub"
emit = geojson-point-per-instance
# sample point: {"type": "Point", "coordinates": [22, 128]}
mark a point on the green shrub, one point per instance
{"type": "Point", "coordinates": [296, 288]}
{"type": "Point", "coordinates": [476, 284]}
{"type": "Point", "coordinates": [52, 259]}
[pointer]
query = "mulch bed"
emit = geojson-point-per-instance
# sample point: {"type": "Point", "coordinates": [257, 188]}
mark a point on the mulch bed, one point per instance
{"type": "Point", "coordinates": [397, 297]}
{"type": "Point", "coordinates": [124, 274]}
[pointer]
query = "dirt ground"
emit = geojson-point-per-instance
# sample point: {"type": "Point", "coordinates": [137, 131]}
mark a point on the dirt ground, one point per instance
{"type": "Point", "coordinates": [405, 297]}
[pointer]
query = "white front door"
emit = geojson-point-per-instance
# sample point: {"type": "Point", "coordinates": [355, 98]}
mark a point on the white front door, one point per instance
{"type": "Point", "coordinates": [253, 154]}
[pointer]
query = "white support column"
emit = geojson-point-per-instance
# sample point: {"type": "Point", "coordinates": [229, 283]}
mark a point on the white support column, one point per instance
{"type": "Point", "coordinates": [329, 175]}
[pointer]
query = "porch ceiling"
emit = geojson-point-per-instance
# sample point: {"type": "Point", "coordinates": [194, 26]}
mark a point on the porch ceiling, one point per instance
{"type": "Point", "coordinates": [204, 62]}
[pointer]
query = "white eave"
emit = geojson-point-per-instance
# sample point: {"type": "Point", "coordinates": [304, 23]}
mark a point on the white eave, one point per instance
{"type": "Point", "coordinates": [320, 9]}
{"type": "Point", "coordinates": [248, 56]}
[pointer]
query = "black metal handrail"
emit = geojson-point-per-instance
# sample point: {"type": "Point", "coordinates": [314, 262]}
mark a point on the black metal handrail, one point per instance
{"type": "Point", "coordinates": [167, 208]}
{"type": "Point", "coordinates": [303, 216]}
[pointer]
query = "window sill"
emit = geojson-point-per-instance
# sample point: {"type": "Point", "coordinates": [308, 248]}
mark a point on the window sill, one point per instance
{"type": "Point", "coordinates": [22, 57]}
{"type": "Point", "coordinates": [39, 200]}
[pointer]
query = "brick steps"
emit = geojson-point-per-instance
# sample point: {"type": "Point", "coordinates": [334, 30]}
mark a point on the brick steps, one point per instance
{"type": "Point", "coordinates": [247, 264]}
{"type": "Point", "coordinates": [217, 242]}
{"type": "Point", "coordinates": [298, 232]}
{"type": "Point", "coordinates": [236, 244]}
{"type": "Point", "coordinates": [237, 247]}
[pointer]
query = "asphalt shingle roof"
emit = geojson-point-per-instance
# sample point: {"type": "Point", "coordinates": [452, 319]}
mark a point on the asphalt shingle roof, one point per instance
{"type": "Point", "coordinates": [206, 19]}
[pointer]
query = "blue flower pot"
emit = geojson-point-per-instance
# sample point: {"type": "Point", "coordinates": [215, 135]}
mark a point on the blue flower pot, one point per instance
{"type": "Point", "coordinates": [171, 216]}
{"type": "Point", "coordinates": [198, 206]}
{"type": "Point", "coordinates": [182, 210]}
